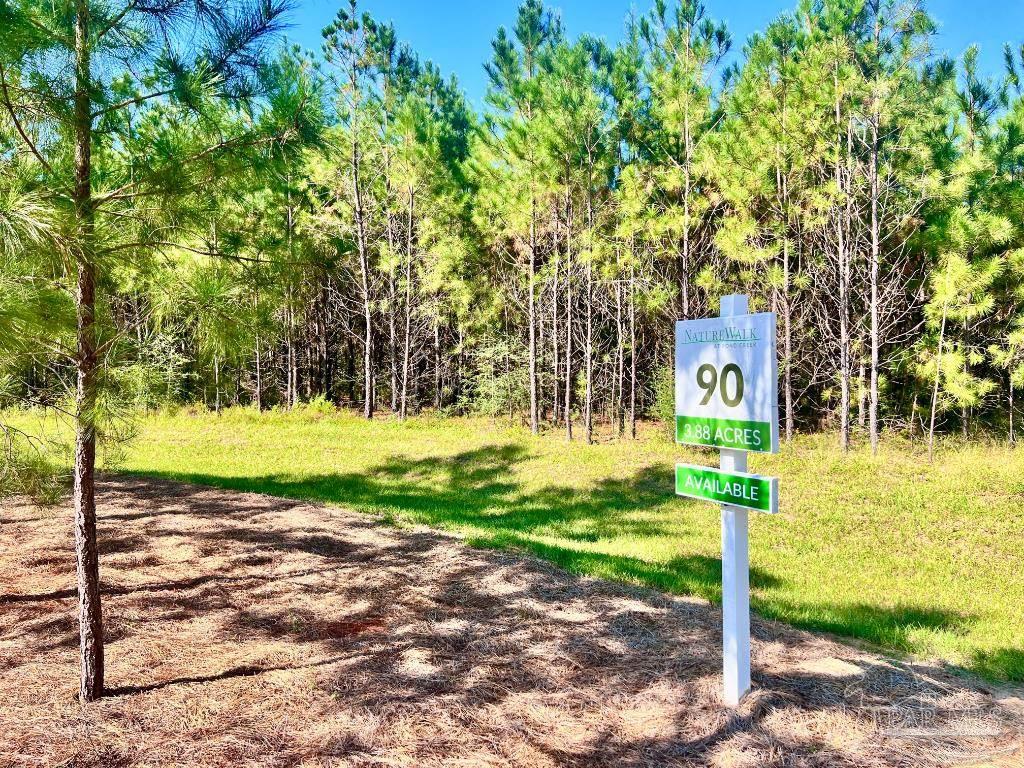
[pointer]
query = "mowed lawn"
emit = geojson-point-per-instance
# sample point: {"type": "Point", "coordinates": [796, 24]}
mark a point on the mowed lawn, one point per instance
{"type": "Point", "coordinates": [921, 558]}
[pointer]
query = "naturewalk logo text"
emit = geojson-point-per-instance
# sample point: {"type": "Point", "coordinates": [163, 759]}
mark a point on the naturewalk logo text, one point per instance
{"type": "Point", "coordinates": [728, 334]}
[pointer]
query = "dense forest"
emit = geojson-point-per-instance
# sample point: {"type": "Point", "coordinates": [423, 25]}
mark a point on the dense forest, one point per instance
{"type": "Point", "coordinates": [268, 226]}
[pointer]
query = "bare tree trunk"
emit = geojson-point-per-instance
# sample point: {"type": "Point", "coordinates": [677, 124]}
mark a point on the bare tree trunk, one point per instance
{"type": "Point", "coordinates": [393, 340]}
{"type": "Point", "coordinates": [862, 396]}
{"type": "Point", "coordinates": [294, 373]}
{"type": "Point", "coordinates": [350, 363]}
{"type": "Point", "coordinates": [438, 400]}
{"type": "Point", "coordinates": [392, 248]}
{"type": "Point", "coordinates": [361, 246]}
{"type": "Point", "coordinates": [90, 617]}
{"type": "Point", "coordinates": [684, 283]}
{"type": "Point", "coordinates": [403, 408]}
{"type": "Point", "coordinates": [844, 358]}
{"type": "Point", "coordinates": [259, 376]}
{"type": "Point", "coordinates": [588, 405]}
{"type": "Point", "coordinates": [407, 346]}
{"type": "Point", "coordinates": [554, 339]}
{"type": "Point", "coordinates": [684, 287]}
{"type": "Point", "coordinates": [935, 390]}
{"type": "Point", "coordinates": [364, 256]}
{"type": "Point", "coordinates": [632, 352]}
{"type": "Point", "coordinates": [532, 319]}
{"type": "Point", "coordinates": [874, 267]}
{"type": "Point", "coordinates": [620, 354]}
{"type": "Point", "coordinates": [216, 384]}
{"type": "Point", "coordinates": [1009, 382]}
{"type": "Point", "coordinates": [568, 320]}
{"type": "Point", "coordinates": [288, 349]}
{"type": "Point", "coordinates": [787, 343]}
{"type": "Point", "coordinates": [844, 290]}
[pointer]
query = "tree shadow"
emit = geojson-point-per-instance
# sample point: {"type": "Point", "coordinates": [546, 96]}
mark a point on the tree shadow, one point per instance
{"type": "Point", "coordinates": [338, 624]}
{"type": "Point", "coordinates": [886, 627]}
{"type": "Point", "coordinates": [476, 491]}
{"type": "Point", "coordinates": [999, 664]}
{"type": "Point", "coordinates": [474, 488]}
{"type": "Point", "coordinates": [244, 670]}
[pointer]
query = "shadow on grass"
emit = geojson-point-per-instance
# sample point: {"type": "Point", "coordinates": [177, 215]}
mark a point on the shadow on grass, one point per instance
{"type": "Point", "coordinates": [999, 664]}
{"type": "Point", "coordinates": [298, 627]}
{"type": "Point", "coordinates": [477, 491]}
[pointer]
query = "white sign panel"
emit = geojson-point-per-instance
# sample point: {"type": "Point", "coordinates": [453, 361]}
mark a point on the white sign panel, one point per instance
{"type": "Point", "coordinates": [727, 392]}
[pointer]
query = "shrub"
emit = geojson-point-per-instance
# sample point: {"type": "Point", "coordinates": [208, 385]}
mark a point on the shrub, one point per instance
{"type": "Point", "coordinates": [29, 468]}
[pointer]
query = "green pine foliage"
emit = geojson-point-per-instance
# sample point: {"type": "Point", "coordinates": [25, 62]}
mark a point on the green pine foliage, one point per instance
{"type": "Point", "coordinates": [269, 225]}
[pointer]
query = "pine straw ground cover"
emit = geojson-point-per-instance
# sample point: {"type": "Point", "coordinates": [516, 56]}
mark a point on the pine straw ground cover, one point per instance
{"type": "Point", "coordinates": [249, 630]}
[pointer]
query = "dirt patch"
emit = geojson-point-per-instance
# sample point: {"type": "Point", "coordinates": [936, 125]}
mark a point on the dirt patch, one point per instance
{"type": "Point", "coordinates": [249, 630]}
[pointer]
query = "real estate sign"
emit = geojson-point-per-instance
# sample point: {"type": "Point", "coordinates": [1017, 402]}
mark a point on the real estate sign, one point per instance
{"type": "Point", "coordinates": [727, 397]}
{"type": "Point", "coordinates": [738, 489]}
{"type": "Point", "coordinates": [727, 383]}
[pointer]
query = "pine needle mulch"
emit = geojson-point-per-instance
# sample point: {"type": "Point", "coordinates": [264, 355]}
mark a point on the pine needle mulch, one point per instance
{"type": "Point", "coordinates": [250, 630]}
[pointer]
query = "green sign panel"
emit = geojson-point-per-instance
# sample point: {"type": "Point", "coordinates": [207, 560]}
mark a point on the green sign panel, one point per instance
{"type": "Point", "coordinates": [738, 489]}
{"type": "Point", "coordinates": [724, 433]}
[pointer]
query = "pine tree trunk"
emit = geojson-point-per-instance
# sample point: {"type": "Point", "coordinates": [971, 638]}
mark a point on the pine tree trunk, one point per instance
{"type": "Point", "coordinates": [935, 390]}
{"type": "Point", "coordinates": [288, 350]}
{"type": "Point", "coordinates": [403, 408]}
{"type": "Point", "coordinates": [844, 358]}
{"type": "Point", "coordinates": [787, 343]}
{"type": "Point", "coordinates": [259, 376]}
{"type": "Point", "coordinates": [393, 340]}
{"type": "Point", "coordinates": [392, 248]}
{"type": "Point", "coordinates": [568, 318]}
{"type": "Point", "coordinates": [913, 418]}
{"type": "Point", "coordinates": [438, 399]}
{"type": "Point", "coordinates": [874, 268]}
{"type": "Point", "coordinates": [350, 363]}
{"type": "Point", "coordinates": [364, 256]}
{"type": "Point", "coordinates": [588, 405]}
{"type": "Point", "coordinates": [844, 288]}
{"type": "Point", "coordinates": [567, 407]}
{"type": "Point", "coordinates": [532, 320]}
{"type": "Point", "coordinates": [1009, 383]}
{"type": "Point", "coordinates": [555, 370]}
{"type": "Point", "coordinates": [862, 396]}
{"type": "Point", "coordinates": [632, 352]}
{"type": "Point", "coordinates": [620, 354]}
{"type": "Point", "coordinates": [684, 284]}
{"type": "Point", "coordinates": [90, 617]}
{"type": "Point", "coordinates": [367, 342]}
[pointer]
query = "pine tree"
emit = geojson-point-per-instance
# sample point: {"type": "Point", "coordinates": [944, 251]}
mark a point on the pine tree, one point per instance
{"type": "Point", "coordinates": [138, 86]}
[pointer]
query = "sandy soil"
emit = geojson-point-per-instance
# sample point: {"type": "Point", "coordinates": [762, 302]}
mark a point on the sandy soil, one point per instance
{"type": "Point", "coordinates": [248, 630]}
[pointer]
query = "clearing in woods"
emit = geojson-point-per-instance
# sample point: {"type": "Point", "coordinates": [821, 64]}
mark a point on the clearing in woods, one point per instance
{"type": "Point", "coordinates": [250, 630]}
{"type": "Point", "coordinates": [918, 558]}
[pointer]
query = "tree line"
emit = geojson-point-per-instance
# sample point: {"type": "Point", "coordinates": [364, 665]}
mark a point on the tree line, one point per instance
{"type": "Point", "coordinates": [384, 244]}
{"type": "Point", "coordinates": [193, 211]}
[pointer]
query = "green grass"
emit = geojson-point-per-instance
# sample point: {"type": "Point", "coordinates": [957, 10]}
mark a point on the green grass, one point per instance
{"type": "Point", "coordinates": [917, 558]}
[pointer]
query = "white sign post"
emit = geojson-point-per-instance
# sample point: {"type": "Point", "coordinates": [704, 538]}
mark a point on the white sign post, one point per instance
{"type": "Point", "coordinates": [727, 396]}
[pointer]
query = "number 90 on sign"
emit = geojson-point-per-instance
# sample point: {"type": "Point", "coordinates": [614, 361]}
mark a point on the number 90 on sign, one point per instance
{"type": "Point", "coordinates": [707, 378]}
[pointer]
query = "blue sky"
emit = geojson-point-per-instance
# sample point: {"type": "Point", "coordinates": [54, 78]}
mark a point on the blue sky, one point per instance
{"type": "Point", "coordinates": [457, 34]}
